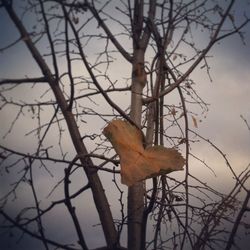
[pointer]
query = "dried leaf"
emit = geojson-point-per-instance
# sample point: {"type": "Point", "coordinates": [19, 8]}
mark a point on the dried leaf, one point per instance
{"type": "Point", "coordinates": [173, 111]}
{"type": "Point", "coordinates": [195, 122]}
{"type": "Point", "coordinates": [138, 163]}
{"type": "Point", "coordinates": [178, 198]}
{"type": "Point", "coordinates": [75, 19]}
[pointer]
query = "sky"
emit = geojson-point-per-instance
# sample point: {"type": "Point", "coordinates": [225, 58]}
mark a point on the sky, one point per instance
{"type": "Point", "coordinates": [227, 95]}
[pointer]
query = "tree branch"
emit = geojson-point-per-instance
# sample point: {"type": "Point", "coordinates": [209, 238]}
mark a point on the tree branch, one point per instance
{"type": "Point", "coordinates": [70, 207]}
{"type": "Point", "coordinates": [95, 183]}
{"type": "Point", "coordinates": [23, 80]}
{"type": "Point", "coordinates": [53, 243]}
{"type": "Point", "coordinates": [102, 24]}
{"type": "Point", "coordinates": [213, 40]}
{"type": "Point", "coordinates": [243, 209]}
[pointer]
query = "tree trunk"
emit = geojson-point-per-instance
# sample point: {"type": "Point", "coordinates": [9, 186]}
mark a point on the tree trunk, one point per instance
{"type": "Point", "coordinates": [136, 192]}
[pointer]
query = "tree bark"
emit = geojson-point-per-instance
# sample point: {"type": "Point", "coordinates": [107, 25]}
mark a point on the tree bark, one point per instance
{"type": "Point", "coordinates": [136, 192]}
{"type": "Point", "coordinates": [141, 35]}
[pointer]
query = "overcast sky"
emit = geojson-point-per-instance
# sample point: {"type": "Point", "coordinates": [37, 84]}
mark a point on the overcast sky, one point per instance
{"type": "Point", "coordinates": [228, 95]}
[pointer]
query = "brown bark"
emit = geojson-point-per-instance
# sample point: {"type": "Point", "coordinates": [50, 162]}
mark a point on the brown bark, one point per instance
{"type": "Point", "coordinates": [141, 37]}
{"type": "Point", "coordinates": [136, 192]}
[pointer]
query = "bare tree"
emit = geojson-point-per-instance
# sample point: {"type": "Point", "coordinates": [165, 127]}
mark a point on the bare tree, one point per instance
{"type": "Point", "coordinates": [99, 61]}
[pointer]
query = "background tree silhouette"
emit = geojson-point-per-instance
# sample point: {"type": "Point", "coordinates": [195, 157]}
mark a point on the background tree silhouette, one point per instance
{"type": "Point", "coordinates": [92, 62]}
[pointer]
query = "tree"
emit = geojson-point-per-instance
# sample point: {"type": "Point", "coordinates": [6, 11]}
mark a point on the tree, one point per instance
{"type": "Point", "coordinates": [78, 48]}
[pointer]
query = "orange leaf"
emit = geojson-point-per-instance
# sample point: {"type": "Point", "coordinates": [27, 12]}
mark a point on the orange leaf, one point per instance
{"type": "Point", "coordinates": [138, 163]}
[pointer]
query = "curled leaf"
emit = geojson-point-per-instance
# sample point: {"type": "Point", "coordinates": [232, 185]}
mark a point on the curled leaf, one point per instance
{"type": "Point", "coordinates": [75, 19]}
{"type": "Point", "coordinates": [138, 163]}
{"type": "Point", "coordinates": [195, 122]}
